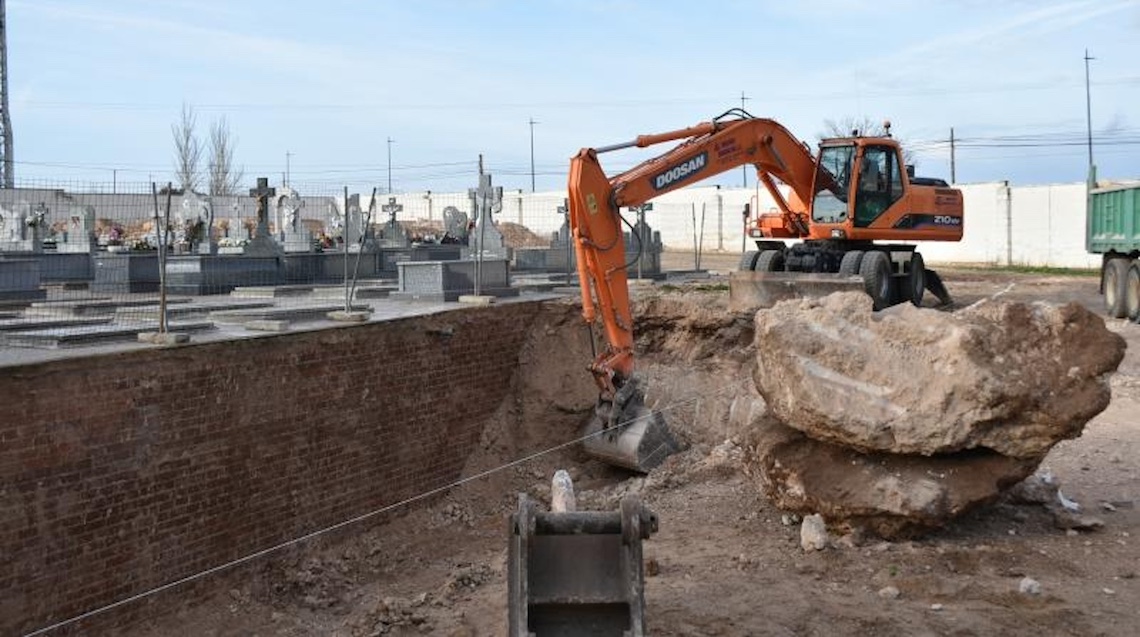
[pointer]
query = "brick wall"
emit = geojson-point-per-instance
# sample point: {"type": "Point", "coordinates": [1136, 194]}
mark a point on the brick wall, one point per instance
{"type": "Point", "coordinates": [120, 473]}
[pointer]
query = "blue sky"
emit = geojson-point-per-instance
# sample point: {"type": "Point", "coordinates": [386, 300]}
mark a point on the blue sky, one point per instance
{"type": "Point", "coordinates": [95, 86]}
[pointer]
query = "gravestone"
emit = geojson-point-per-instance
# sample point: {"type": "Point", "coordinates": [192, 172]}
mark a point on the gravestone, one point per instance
{"type": "Point", "coordinates": [25, 228]}
{"type": "Point", "coordinates": [79, 236]}
{"type": "Point", "coordinates": [648, 241]}
{"type": "Point", "coordinates": [262, 244]}
{"type": "Point", "coordinates": [358, 233]}
{"type": "Point", "coordinates": [559, 257]}
{"type": "Point", "coordinates": [485, 239]}
{"type": "Point", "coordinates": [293, 234]}
{"type": "Point", "coordinates": [455, 228]}
{"type": "Point", "coordinates": [392, 235]}
{"type": "Point", "coordinates": [198, 215]}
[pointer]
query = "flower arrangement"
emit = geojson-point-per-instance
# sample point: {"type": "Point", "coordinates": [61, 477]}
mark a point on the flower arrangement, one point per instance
{"type": "Point", "coordinates": [232, 242]}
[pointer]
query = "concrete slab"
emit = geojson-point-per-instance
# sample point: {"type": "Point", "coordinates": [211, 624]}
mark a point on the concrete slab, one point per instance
{"type": "Point", "coordinates": [287, 312]}
{"type": "Point", "coordinates": [56, 338]}
{"type": "Point", "coordinates": [164, 338]}
{"type": "Point", "coordinates": [265, 325]}
{"type": "Point", "coordinates": [20, 324]}
{"type": "Point", "coordinates": [472, 299]}
{"type": "Point", "coordinates": [270, 291]}
{"type": "Point", "coordinates": [91, 307]}
{"type": "Point", "coordinates": [349, 317]}
{"type": "Point", "coordinates": [369, 291]}
{"type": "Point", "coordinates": [185, 310]}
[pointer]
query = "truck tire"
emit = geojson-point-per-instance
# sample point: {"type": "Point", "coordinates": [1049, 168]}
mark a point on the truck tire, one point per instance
{"type": "Point", "coordinates": [916, 280]}
{"type": "Point", "coordinates": [748, 261]}
{"type": "Point", "coordinates": [849, 265]}
{"type": "Point", "coordinates": [1132, 291]}
{"type": "Point", "coordinates": [876, 272]}
{"type": "Point", "coordinates": [770, 261]}
{"type": "Point", "coordinates": [1115, 293]}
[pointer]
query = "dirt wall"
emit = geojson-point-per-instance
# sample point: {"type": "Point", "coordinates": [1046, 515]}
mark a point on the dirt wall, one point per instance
{"type": "Point", "coordinates": [121, 473]}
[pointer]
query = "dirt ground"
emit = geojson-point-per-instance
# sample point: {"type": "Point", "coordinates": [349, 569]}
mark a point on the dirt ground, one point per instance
{"type": "Point", "coordinates": [726, 562]}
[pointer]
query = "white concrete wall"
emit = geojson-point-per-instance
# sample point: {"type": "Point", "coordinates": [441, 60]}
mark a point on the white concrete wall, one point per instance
{"type": "Point", "coordinates": [1022, 225]}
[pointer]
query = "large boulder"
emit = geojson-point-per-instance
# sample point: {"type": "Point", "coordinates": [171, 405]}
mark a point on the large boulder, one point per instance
{"type": "Point", "coordinates": [1009, 377]}
{"type": "Point", "coordinates": [887, 495]}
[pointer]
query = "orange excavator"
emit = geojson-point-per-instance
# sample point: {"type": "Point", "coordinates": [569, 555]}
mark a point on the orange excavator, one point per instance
{"type": "Point", "coordinates": [837, 203]}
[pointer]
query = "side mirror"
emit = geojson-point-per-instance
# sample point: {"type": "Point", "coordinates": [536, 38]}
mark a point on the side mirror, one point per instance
{"type": "Point", "coordinates": [747, 210]}
{"type": "Point", "coordinates": [910, 171]}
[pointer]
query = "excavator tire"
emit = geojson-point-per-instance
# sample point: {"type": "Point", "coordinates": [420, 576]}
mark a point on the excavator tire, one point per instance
{"type": "Point", "coordinates": [916, 279]}
{"type": "Point", "coordinates": [770, 261]}
{"type": "Point", "coordinates": [748, 261]}
{"type": "Point", "coordinates": [1132, 291]}
{"type": "Point", "coordinates": [1115, 287]}
{"type": "Point", "coordinates": [849, 265]}
{"type": "Point", "coordinates": [876, 272]}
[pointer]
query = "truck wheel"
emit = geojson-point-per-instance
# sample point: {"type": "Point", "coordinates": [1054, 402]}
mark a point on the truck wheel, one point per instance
{"type": "Point", "coordinates": [876, 272]}
{"type": "Point", "coordinates": [849, 265]}
{"type": "Point", "coordinates": [770, 261]}
{"type": "Point", "coordinates": [917, 279]}
{"type": "Point", "coordinates": [1132, 291]}
{"type": "Point", "coordinates": [748, 261]}
{"type": "Point", "coordinates": [1115, 280]}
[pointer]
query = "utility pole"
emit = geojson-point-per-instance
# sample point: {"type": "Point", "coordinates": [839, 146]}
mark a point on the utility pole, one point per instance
{"type": "Point", "coordinates": [1088, 107]}
{"type": "Point", "coordinates": [532, 123]}
{"type": "Point", "coordinates": [7, 178]}
{"type": "Point", "coordinates": [744, 168]}
{"type": "Point", "coordinates": [390, 140]}
{"type": "Point", "coordinates": [287, 156]}
{"type": "Point", "coordinates": [953, 174]}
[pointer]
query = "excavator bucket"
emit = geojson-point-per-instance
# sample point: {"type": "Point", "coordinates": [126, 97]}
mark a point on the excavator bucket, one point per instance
{"type": "Point", "coordinates": [628, 434]}
{"type": "Point", "coordinates": [751, 290]}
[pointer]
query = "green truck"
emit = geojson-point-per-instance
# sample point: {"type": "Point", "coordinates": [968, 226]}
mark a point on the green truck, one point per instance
{"type": "Point", "coordinates": [1113, 231]}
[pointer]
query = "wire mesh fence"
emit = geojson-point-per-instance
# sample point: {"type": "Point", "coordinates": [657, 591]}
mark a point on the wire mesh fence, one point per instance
{"type": "Point", "coordinates": [87, 262]}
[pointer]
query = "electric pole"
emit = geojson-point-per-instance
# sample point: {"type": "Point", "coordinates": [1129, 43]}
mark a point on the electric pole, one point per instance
{"type": "Point", "coordinates": [287, 156]}
{"type": "Point", "coordinates": [532, 123]}
{"type": "Point", "coordinates": [953, 174]}
{"type": "Point", "coordinates": [1088, 104]}
{"type": "Point", "coordinates": [7, 179]}
{"type": "Point", "coordinates": [390, 140]}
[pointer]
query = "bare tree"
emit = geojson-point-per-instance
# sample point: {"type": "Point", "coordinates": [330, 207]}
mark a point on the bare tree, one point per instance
{"type": "Point", "coordinates": [861, 126]}
{"type": "Point", "coordinates": [224, 176]}
{"type": "Point", "coordinates": [187, 150]}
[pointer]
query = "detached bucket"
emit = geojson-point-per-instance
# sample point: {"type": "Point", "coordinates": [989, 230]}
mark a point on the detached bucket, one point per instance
{"type": "Point", "coordinates": [578, 573]}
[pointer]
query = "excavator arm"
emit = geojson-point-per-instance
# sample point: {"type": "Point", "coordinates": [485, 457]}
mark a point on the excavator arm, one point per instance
{"type": "Point", "coordinates": [710, 148]}
{"type": "Point", "coordinates": [596, 200]}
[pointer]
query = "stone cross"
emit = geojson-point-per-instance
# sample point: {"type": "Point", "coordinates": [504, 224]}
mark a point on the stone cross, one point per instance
{"type": "Point", "coordinates": [392, 208]}
{"type": "Point", "coordinates": [486, 200]}
{"type": "Point", "coordinates": [262, 194]}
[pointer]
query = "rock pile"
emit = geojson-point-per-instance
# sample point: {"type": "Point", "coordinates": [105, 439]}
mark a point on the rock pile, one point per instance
{"type": "Point", "coordinates": [897, 421]}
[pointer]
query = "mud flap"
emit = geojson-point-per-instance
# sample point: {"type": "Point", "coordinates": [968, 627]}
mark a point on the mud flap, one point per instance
{"type": "Point", "coordinates": [936, 287]}
{"type": "Point", "coordinates": [628, 434]}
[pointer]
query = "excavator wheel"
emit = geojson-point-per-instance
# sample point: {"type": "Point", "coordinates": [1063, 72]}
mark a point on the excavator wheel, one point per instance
{"type": "Point", "coordinates": [748, 261]}
{"type": "Point", "coordinates": [916, 279]}
{"type": "Point", "coordinates": [1115, 287]}
{"type": "Point", "coordinates": [770, 261]}
{"type": "Point", "coordinates": [849, 265]}
{"type": "Point", "coordinates": [876, 272]}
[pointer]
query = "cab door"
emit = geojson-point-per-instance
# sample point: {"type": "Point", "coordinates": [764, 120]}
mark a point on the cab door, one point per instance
{"type": "Point", "coordinates": [879, 184]}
